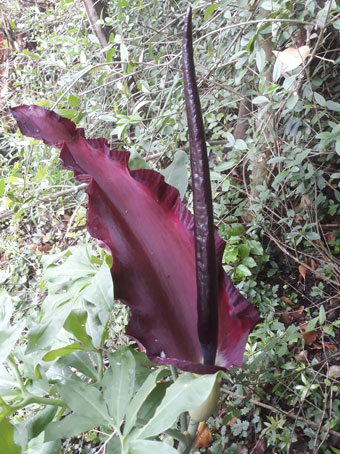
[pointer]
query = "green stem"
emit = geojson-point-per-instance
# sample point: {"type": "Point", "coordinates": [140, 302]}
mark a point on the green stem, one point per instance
{"type": "Point", "coordinates": [4, 405]}
{"type": "Point", "coordinates": [100, 365]}
{"type": "Point", "coordinates": [183, 417]}
{"type": "Point", "coordinates": [174, 373]}
{"type": "Point", "coordinates": [30, 399]}
{"type": "Point", "coordinates": [192, 429]}
{"type": "Point", "coordinates": [16, 372]}
{"type": "Point", "coordinates": [176, 435]}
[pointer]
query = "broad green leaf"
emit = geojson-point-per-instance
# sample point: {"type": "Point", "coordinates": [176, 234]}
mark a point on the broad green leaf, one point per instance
{"type": "Point", "coordinates": [151, 403]}
{"type": "Point", "coordinates": [7, 444]}
{"type": "Point", "coordinates": [255, 247]}
{"type": "Point", "coordinates": [118, 383]}
{"type": "Point", "coordinates": [51, 447]}
{"type": "Point", "coordinates": [2, 187]}
{"type": "Point", "coordinates": [319, 99]}
{"type": "Point", "coordinates": [236, 230]}
{"type": "Point", "coordinates": [71, 426]}
{"type": "Point", "coordinates": [249, 262]}
{"type": "Point", "coordinates": [110, 54]}
{"type": "Point", "coordinates": [313, 236]}
{"type": "Point", "coordinates": [124, 53]}
{"type": "Point", "coordinates": [9, 334]}
{"type": "Point", "coordinates": [67, 113]}
{"type": "Point", "coordinates": [260, 100]}
{"type": "Point", "coordinates": [44, 333]}
{"type": "Point", "coordinates": [226, 165]}
{"type": "Point", "coordinates": [98, 299]}
{"type": "Point", "coordinates": [243, 250]}
{"type": "Point", "coordinates": [332, 105]}
{"type": "Point", "coordinates": [151, 447]}
{"type": "Point", "coordinates": [277, 70]}
{"type": "Point", "coordinates": [73, 100]}
{"type": "Point", "coordinates": [7, 384]}
{"type": "Point", "coordinates": [337, 147]}
{"type": "Point", "coordinates": [209, 10]}
{"type": "Point", "coordinates": [63, 351]}
{"type": "Point", "coordinates": [276, 159]}
{"type": "Point", "coordinates": [75, 324]}
{"type": "Point", "coordinates": [114, 446]}
{"type": "Point", "coordinates": [311, 324]}
{"type": "Point", "coordinates": [322, 315]}
{"type": "Point", "coordinates": [37, 423]}
{"type": "Point", "coordinates": [136, 161]}
{"type": "Point", "coordinates": [243, 271]}
{"type": "Point", "coordinates": [230, 255]}
{"type": "Point", "coordinates": [76, 284]}
{"type": "Point", "coordinates": [185, 394]}
{"type": "Point", "coordinates": [292, 101]}
{"type": "Point", "coordinates": [84, 400]}
{"type": "Point", "coordinates": [260, 59]}
{"type": "Point", "coordinates": [139, 399]}
{"type": "Point", "coordinates": [301, 156]}
{"type": "Point", "coordinates": [240, 145]}
{"type": "Point", "coordinates": [143, 368]}
{"type": "Point", "coordinates": [76, 265]}
{"type": "Point", "coordinates": [83, 362]}
{"type": "Point", "coordinates": [176, 174]}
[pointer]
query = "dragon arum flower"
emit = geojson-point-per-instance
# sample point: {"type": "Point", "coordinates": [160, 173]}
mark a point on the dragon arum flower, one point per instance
{"type": "Point", "coordinates": [167, 265]}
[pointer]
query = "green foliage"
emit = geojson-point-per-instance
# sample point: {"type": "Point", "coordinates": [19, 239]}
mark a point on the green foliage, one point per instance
{"type": "Point", "coordinates": [129, 397]}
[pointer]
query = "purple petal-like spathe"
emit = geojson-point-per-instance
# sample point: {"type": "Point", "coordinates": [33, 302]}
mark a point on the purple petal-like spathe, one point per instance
{"type": "Point", "coordinates": [149, 232]}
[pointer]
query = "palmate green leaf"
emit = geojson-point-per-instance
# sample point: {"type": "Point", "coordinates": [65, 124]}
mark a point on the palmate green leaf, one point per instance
{"type": "Point", "coordinates": [148, 447]}
{"type": "Point", "coordinates": [176, 174]}
{"type": "Point", "coordinates": [7, 444]}
{"type": "Point", "coordinates": [140, 398]}
{"type": "Point", "coordinates": [186, 393]}
{"type": "Point", "coordinates": [71, 426]}
{"type": "Point", "coordinates": [84, 400]}
{"type": "Point", "coordinates": [9, 334]}
{"type": "Point", "coordinates": [119, 383]}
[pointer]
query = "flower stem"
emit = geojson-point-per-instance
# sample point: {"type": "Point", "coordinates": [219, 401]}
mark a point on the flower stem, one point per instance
{"type": "Point", "coordinates": [192, 429]}
{"type": "Point", "coordinates": [183, 417]}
